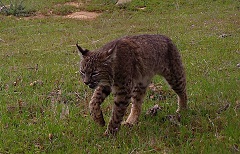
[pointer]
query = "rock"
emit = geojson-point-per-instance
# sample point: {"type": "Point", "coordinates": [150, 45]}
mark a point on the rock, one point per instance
{"type": "Point", "coordinates": [120, 2]}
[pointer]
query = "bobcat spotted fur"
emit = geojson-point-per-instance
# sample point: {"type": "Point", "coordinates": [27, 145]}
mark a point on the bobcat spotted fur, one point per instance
{"type": "Point", "coordinates": [125, 67]}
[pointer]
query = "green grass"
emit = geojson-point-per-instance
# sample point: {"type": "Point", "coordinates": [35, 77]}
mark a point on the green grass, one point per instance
{"type": "Point", "coordinates": [43, 50]}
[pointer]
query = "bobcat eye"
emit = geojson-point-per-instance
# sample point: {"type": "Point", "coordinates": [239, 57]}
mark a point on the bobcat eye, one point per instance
{"type": "Point", "coordinates": [94, 74]}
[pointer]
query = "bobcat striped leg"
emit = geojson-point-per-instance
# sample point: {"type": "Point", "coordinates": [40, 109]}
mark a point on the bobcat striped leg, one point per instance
{"type": "Point", "coordinates": [177, 81]}
{"type": "Point", "coordinates": [121, 102]}
{"type": "Point", "coordinates": [179, 86]}
{"type": "Point", "coordinates": [98, 97]}
{"type": "Point", "coordinates": [137, 100]}
{"type": "Point", "coordinates": [182, 101]}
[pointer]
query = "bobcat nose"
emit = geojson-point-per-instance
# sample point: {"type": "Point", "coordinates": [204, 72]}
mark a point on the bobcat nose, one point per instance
{"type": "Point", "coordinates": [86, 82]}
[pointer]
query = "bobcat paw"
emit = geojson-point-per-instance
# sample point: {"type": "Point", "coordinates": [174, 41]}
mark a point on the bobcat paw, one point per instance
{"type": "Point", "coordinates": [181, 109]}
{"type": "Point", "coordinates": [98, 119]}
{"type": "Point", "coordinates": [101, 122]}
{"type": "Point", "coordinates": [125, 123]}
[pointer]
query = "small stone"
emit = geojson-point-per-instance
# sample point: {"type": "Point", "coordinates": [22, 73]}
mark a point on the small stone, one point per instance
{"type": "Point", "coordinates": [224, 35]}
{"type": "Point", "coordinates": [120, 2]}
{"type": "Point", "coordinates": [38, 82]}
{"type": "Point", "coordinates": [50, 136]}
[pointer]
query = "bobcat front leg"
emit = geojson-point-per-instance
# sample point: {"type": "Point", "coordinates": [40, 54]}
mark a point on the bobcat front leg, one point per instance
{"type": "Point", "coordinates": [121, 102]}
{"type": "Point", "coordinates": [98, 97]}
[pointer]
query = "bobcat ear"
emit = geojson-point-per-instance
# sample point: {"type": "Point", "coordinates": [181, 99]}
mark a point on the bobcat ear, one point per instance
{"type": "Point", "coordinates": [110, 54]}
{"type": "Point", "coordinates": [110, 51]}
{"type": "Point", "coordinates": [82, 51]}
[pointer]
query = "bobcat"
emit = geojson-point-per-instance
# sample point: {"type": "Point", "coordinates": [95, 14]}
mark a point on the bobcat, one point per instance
{"type": "Point", "coordinates": [125, 67]}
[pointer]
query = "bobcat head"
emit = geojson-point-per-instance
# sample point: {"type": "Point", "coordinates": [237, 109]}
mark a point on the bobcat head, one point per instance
{"type": "Point", "coordinates": [95, 68]}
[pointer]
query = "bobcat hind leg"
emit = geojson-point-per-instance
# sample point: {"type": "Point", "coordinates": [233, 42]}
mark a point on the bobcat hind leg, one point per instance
{"type": "Point", "coordinates": [182, 101]}
{"type": "Point", "coordinates": [137, 100]}
{"type": "Point", "coordinates": [178, 84]}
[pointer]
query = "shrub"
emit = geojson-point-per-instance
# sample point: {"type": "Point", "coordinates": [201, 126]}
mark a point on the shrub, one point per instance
{"type": "Point", "coordinates": [15, 8]}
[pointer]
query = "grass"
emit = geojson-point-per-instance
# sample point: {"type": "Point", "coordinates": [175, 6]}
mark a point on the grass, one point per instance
{"type": "Point", "coordinates": [39, 83]}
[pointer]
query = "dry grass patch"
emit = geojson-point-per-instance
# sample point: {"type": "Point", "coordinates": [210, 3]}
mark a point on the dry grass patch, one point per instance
{"type": "Point", "coordinates": [75, 4]}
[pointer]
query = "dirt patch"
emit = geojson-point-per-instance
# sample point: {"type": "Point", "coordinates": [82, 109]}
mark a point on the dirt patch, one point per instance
{"type": "Point", "coordinates": [83, 15]}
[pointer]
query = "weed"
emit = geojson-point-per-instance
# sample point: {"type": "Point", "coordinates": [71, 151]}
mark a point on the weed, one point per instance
{"type": "Point", "coordinates": [15, 8]}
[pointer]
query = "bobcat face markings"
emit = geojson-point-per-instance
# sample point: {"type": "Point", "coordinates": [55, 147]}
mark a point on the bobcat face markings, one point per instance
{"type": "Point", "coordinates": [90, 79]}
{"type": "Point", "coordinates": [94, 74]}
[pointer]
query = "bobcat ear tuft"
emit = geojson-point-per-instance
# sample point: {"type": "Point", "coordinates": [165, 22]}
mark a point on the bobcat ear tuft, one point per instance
{"type": "Point", "coordinates": [84, 52]}
{"type": "Point", "coordinates": [110, 51]}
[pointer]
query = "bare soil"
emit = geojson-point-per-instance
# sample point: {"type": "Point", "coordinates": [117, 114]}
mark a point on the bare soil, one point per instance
{"type": "Point", "coordinates": [82, 15]}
